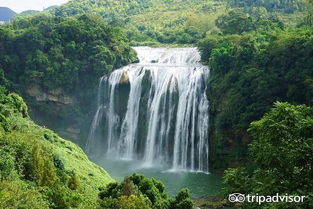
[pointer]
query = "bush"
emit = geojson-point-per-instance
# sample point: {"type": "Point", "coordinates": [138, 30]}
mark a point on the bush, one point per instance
{"type": "Point", "coordinates": [17, 194]}
{"type": "Point", "coordinates": [7, 165]}
{"type": "Point", "coordinates": [74, 181]}
{"type": "Point", "coordinates": [282, 155]}
{"type": "Point", "coordinates": [138, 191]}
{"type": "Point", "coordinates": [182, 200]}
{"type": "Point", "coordinates": [134, 202]}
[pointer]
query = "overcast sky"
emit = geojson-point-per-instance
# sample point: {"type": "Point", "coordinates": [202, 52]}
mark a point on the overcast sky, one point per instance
{"type": "Point", "coordinates": [22, 5]}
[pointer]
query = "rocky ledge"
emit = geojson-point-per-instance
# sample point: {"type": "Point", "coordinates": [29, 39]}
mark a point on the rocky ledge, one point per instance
{"type": "Point", "coordinates": [56, 95]}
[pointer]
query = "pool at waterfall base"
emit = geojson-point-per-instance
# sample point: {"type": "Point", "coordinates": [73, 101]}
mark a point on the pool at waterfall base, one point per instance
{"type": "Point", "coordinates": [200, 184]}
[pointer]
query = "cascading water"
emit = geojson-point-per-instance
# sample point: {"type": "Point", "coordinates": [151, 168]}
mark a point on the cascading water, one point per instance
{"type": "Point", "coordinates": [155, 110]}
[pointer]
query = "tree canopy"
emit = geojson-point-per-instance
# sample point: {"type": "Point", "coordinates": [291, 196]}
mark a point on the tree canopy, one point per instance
{"type": "Point", "coordinates": [281, 156]}
{"type": "Point", "coordinates": [250, 72]}
{"type": "Point", "coordinates": [61, 52]}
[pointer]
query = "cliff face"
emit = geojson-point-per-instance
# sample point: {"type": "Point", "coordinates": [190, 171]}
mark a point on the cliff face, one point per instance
{"type": "Point", "coordinates": [68, 114]}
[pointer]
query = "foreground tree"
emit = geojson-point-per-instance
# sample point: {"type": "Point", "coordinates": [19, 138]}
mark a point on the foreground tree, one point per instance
{"type": "Point", "coordinates": [281, 155]}
{"type": "Point", "coordinates": [138, 191]}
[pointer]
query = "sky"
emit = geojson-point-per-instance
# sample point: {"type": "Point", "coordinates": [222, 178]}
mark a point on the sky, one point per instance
{"type": "Point", "coordinates": [22, 5]}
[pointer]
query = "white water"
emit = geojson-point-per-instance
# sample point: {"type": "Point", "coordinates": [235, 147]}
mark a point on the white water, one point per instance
{"type": "Point", "coordinates": [166, 102]}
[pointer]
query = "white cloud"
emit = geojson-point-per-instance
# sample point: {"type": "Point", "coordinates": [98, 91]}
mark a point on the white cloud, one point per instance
{"type": "Point", "coordinates": [22, 5]}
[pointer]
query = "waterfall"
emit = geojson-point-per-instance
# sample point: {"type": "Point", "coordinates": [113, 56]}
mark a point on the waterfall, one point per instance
{"type": "Point", "coordinates": [155, 111]}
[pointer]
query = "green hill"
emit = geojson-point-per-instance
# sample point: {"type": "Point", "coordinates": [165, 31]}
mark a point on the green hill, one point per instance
{"type": "Point", "coordinates": [179, 22]}
{"type": "Point", "coordinates": [174, 21]}
{"type": "Point", "coordinates": [163, 21]}
{"type": "Point", "coordinates": [38, 168]}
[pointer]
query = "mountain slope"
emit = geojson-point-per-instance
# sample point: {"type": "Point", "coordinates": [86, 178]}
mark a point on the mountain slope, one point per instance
{"type": "Point", "coordinates": [163, 21]}
{"type": "Point", "coordinates": [6, 14]}
{"type": "Point", "coordinates": [38, 168]}
{"type": "Point", "coordinates": [173, 21]}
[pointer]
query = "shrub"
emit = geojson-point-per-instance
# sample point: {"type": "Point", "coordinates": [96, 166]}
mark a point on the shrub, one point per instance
{"type": "Point", "coordinates": [6, 164]}
{"type": "Point", "coordinates": [74, 181]}
{"type": "Point", "coordinates": [138, 191]}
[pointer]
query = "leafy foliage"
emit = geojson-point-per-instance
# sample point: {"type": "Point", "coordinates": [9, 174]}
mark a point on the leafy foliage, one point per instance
{"type": "Point", "coordinates": [282, 155]}
{"type": "Point", "coordinates": [61, 52]}
{"type": "Point", "coordinates": [235, 22]}
{"type": "Point", "coordinates": [270, 5]}
{"type": "Point", "coordinates": [37, 167]}
{"type": "Point", "coordinates": [152, 22]}
{"type": "Point", "coordinates": [171, 21]}
{"type": "Point", "coordinates": [57, 62]}
{"type": "Point", "coordinates": [250, 72]}
{"type": "Point", "coordinates": [138, 191]}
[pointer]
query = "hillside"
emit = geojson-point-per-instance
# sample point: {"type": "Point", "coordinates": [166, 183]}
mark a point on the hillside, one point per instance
{"type": "Point", "coordinates": [150, 22]}
{"type": "Point", "coordinates": [55, 64]}
{"type": "Point", "coordinates": [174, 21]}
{"type": "Point", "coordinates": [38, 168]}
{"type": "Point", "coordinates": [6, 14]}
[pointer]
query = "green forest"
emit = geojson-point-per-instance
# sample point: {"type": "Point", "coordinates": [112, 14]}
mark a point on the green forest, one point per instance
{"type": "Point", "coordinates": [260, 90]}
{"type": "Point", "coordinates": [61, 56]}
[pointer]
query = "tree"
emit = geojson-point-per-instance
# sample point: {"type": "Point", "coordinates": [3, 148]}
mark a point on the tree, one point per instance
{"type": "Point", "coordinates": [74, 181]}
{"type": "Point", "coordinates": [138, 191]}
{"type": "Point", "coordinates": [282, 156]}
{"type": "Point", "coordinates": [182, 200]}
{"type": "Point", "coordinates": [283, 6]}
{"type": "Point", "coordinates": [128, 187]}
{"type": "Point", "coordinates": [133, 202]}
{"type": "Point", "coordinates": [235, 22]}
{"type": "Point", "coordinates": [43, 168]}
{"type": "Point", "coordinates": [308, 20]}
{"type": "Point", "coordinates": [6, 165]}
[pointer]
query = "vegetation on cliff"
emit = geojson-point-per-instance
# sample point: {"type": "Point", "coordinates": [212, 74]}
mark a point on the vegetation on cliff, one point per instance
{"type": "Point", "coordinates": [40, 170]}
{"type": "Point", "coordinates": [62, 52]}
{"type": "Point", "coordinates": [281, 158]}
{"type": "Point", "coordinates": [270, 5]}
{"type": "Point", "coordinates": [56, 63]}
{"type": "Point", "coordinates": [253, 64]}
